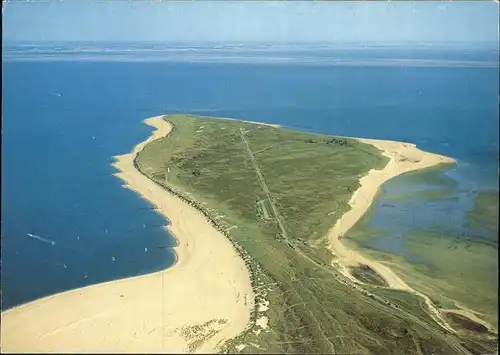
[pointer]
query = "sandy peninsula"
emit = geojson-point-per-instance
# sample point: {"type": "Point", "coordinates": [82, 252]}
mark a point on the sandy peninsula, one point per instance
{"type": "Point", "coordinates": [403, 158]}
{"type": "Point", "coordinates": [196, 305]}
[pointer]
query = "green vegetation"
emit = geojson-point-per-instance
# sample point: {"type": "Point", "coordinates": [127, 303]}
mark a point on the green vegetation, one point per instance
{"type": "Point", "coordinates": [465, 323]}
{"type": "Point", "coordinates": [467, 272]}
{"type": "Point", "coordinates": [484, 216]}
{"type": "Point", "coordinates": [457, 270]}
{"type": "Point", "coordinates": [480, 345]}
{"type": "Point", "coordinates": [366, 274]}
{"type": "Point", "coordinates": [478, 338]}
{"type": "Point", "coordinates": [409, 302]}
{"type": "Point", "coordinates": [225, 168]}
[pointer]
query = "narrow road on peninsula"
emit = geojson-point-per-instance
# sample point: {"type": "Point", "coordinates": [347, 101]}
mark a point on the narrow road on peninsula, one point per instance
{"type": "Point", "coordinates": [380, 300]}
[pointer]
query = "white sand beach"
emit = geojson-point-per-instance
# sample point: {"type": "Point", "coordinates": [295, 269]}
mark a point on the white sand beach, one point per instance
{"type": "Point", "coordinates": [196, 305]}
{"type": "Point", "coordinates": [206, 297]}
{"type": "Point", "coordinates": [403, 158]}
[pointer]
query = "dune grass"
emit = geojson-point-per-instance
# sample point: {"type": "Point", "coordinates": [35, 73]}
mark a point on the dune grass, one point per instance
{"type": "Point", "coordinates": [466, 272]}
{"type": "Point", "coordinates": [367, 275]}
{"type": "Point", "coordinates": [405, 300]}
{"type": "Point", "coordinates": [456, 270]}
{"type": "Point", "coordinates": [312, 309]}
{"type": "Point", "coordinates": [466, 323]}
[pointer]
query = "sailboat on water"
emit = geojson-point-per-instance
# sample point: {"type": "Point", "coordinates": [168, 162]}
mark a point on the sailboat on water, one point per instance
{"type": "Point", "coordinates": [45, 240]}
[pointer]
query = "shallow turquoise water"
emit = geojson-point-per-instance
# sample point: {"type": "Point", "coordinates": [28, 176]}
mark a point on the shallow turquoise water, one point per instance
{"type": "Point", "coordinates": [427, 201]}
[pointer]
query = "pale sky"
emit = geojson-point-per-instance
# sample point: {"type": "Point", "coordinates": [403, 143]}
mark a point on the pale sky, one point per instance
{"type": "Point", "coordinates": [201, 21]}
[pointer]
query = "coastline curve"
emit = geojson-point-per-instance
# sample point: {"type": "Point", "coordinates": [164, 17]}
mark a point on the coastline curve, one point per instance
{"type": "Point", "coordinates": [403, 158]}
{"type": "Point", "coordinates": [199, 303]}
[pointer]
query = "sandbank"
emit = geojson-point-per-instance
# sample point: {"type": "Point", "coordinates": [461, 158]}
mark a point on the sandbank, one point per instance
{"type": "Point", "coordinates": [403, 158]}
{"type": "Point", "coordinates": [203, 300]}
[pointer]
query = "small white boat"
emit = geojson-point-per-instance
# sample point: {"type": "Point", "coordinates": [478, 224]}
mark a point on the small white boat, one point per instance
{"type": "Point", "coordinates": [44, 240]}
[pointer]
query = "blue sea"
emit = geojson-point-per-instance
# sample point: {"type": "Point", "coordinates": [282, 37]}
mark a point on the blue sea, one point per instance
{"type": "Point", "coordinates": [68, 109]}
